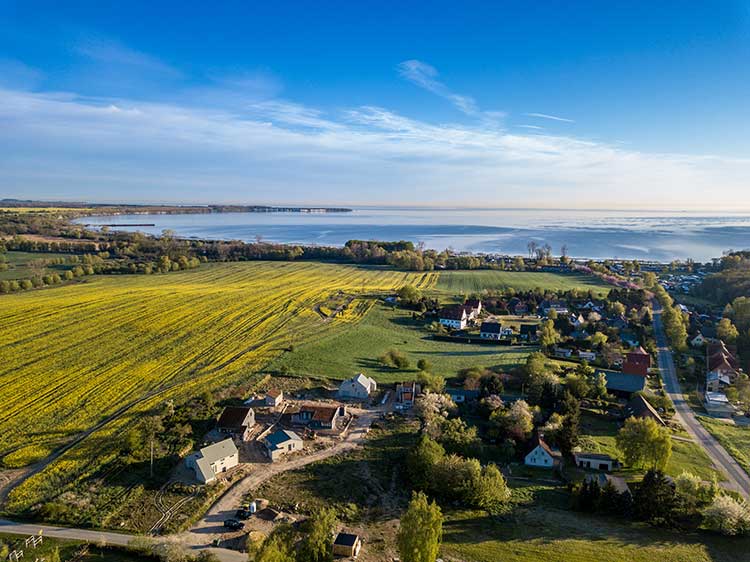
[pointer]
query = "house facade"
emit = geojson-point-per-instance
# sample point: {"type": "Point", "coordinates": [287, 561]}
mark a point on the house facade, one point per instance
{"type": "Point", "coordinates": [237, 421]}
{"type": "Point", "coordinates": [542, 455]}
{"type": "Point", "coordinates": [359, 387]}
{"type": "Point", "coordinates": [406, 393]}
{"type": "Point", "coordinates": [215, 459]}
{"type": "Point", "coordinates": [318, 417]}
{"type": "Point", "coordinates": [595, 461]}
{"type": "Point", "coordinates": [454, 317]}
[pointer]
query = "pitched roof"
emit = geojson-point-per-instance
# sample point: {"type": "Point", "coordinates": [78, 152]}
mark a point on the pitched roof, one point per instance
{"type": "Point", "coordinates": [639, 351]}
{"type": "Point", "coordinates": [207, 456]}
{"type": "Point", "coordinates": [281, 436]}
{"type": "Point", "coordinates": [639, 407]}
{"type": "Point", "coordinates": [491, 327]}
{"type": "Point", "coordinates": [321, 413]}
{"type": "Point", "coordinates": [346, 539]}
{"type": "Point", "coordinates": [364, 380]}
{"type": "Point", "coordinates": [597, 456]}
{"type": "Point", "coordinates": [274, 393]}
{"type": "Point", "coordinates": [624, 382]}
{"type": "Point", "coordinates": [602, 479]}
{"type": "Point", "coordinates": [234, 416]}
{"type": "Point", "coordinates": [453, 313]}
{"type": "Point", "coordinates": [538, 441]}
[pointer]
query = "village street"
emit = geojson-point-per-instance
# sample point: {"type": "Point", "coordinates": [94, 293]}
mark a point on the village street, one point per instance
{"type": "Point", "coordinates": [738, 479]}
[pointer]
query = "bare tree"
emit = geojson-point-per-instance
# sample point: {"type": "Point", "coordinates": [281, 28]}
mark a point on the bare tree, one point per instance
{"type": "Point", "coordinates": [531, 246]}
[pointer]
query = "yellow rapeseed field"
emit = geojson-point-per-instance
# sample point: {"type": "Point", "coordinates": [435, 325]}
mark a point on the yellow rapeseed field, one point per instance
{"type": "Point", "coordinates": [72, 356]}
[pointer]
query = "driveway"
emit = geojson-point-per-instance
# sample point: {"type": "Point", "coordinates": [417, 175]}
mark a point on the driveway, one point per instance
{"type": "Point", "coordinates": [737, 478]}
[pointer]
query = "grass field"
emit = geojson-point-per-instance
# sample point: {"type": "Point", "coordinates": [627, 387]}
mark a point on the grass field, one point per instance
{"type": "Point", "coordinates": [599, 434]}
{"type": "Point", "coordinates": [341, 354]}
{"type": "Point", "coordinates": [735, 439]}
{"type": "Point", "coordinates": [465, 282]}
{"type": "Point", "coordinates": [74, 355]}
{"type": "Point", "coordinates": [549, 534]}
{"type": "Point", "coordinates": [22, 264]}
{"type": "Point", "coordinates": [539, 528]}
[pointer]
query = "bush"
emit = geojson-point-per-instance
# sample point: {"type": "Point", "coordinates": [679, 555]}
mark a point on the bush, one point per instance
{"type": "Point", "coordinates": [395, 360]}
{"type": "Point", "coordinates": [727, 516]}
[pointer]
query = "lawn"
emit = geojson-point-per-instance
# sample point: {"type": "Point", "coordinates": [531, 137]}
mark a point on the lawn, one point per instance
{"type": "Point", "coordinates": [544, 533]}
{"type": "Point", "coordinates": [538, 528]}
{"type": "Point", "coordinates": [466, 282]}
{"type": "Point", "coordinates": [74, 355]}
{"type": "Point", "coordinates": [23, 265]}
{"type": "Point", "coordinates": [599, 434]}
{"type": "Point", "coordinates": [341, 354]}
{"type": "Point", "coordinates": [735, 439]}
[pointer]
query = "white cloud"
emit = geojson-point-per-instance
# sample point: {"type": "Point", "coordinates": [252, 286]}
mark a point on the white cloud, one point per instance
{"type": "Point", "coordinates": [280, 151]}
{"type": "Point", "coordinates": [110, 52]}
{"type": "Point", "coordinates": [425, 76]}
{"type": "Point", "coordinates": [550, 117]}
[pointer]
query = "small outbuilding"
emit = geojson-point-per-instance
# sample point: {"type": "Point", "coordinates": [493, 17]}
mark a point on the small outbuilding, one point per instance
{"type": "Point", "coordinates": [717, 405]}
{"type": "Point", "coordinates": [596, 461]}
{"type": "Point", "coordinates": [347, 544]}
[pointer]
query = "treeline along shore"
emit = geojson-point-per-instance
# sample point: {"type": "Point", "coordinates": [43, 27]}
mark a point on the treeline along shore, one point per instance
{"type": "Point", "coordinates": [84, 209]}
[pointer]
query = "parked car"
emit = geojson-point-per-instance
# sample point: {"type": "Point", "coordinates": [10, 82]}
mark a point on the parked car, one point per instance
{"type": "Point", "coordinates": [243, 514]}
{"type": "Point", "coordinates": [234, 524]}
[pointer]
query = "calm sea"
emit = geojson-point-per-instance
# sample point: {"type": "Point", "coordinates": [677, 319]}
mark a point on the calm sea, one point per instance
{"type": "Point", "coordinates": [659, 236]}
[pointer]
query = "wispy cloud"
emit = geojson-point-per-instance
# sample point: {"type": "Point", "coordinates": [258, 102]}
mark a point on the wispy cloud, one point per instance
{"type": "Point", "coordinates": [533, 127]}
{"type": "Point", "coordinates": [111, 52]}
{"type": "Point", "coordinates": [426, 76]}
{"type": "Point", "coordinates": [550, 117]}
{"type": "Point", "coordinates": [288, 152]}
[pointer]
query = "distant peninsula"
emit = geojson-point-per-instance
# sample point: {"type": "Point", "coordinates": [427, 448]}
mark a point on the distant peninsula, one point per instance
{"type": "Point", "coordinates": [82, 208]}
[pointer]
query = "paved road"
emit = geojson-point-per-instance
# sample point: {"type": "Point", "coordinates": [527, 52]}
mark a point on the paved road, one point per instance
{"type": "Point", "coordinates": [738, 479]}
{"type": "Point", "coordinates": [211, 527]}
{"type": "Point", "coordinates": [100, 537]}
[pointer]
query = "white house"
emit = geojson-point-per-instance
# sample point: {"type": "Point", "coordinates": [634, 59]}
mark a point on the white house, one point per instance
{"type": "Point", "coordinates": [717, 405]}
{"type": "Point", "coordinates": [542, 455]}
{"type": "Point", "coordinates": [587, 355]}
{"type": "Point", "coordinates": [563, 352]}
{"type": "Point", "coordinates": [282, 442]}
{"type": "Point", "coordinates": [455, 317]}
{"type": "Point", "coordinates": [698, 340]}
{"type": "Point", "coordinates": [212, 460]}
{"type": "Point", "coordinates": [358, 387]}
{"type": "Point", "coordinates": [474, 307]}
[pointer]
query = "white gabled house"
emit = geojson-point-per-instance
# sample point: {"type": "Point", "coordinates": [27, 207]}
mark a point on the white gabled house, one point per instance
{"type": "Point", "coordinates": [358, 387]}
{"type": "Point", "coordinates": [455, 317]}
{"type": "Point", "coordinates": [542, 455]}
{"type": "Point", "coordinates": [212, 460]}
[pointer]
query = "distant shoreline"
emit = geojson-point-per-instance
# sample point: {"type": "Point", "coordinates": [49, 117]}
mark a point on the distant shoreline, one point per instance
{"type": "Point", "coordinates": [127, 209]}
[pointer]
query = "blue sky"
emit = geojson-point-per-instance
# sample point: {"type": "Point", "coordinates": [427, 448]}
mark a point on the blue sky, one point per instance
{"type": "Point", "coordinates": [555, 104]}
